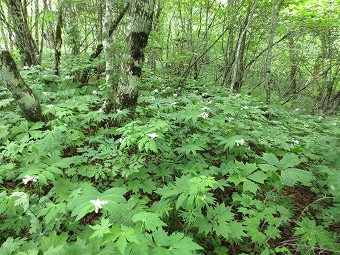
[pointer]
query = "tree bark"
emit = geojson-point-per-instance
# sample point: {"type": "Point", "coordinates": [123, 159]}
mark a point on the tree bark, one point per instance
{"type": "Point", "coordinates": [111, 88]}
{"type": "Point", "coordinates": [133, 59]}
{"type": "Point", "coordinates": [58, 40]}
{"type": "Point", "coordinates": [23, 95]}
{"type": "Point", "coordinates": [112, 27]}
{"type": "Point", "coordinates": [275, 14]}
{"type": "Point", "coordinates": [23, 37]}
{"type": "Point", "coordinates": [240, 49]}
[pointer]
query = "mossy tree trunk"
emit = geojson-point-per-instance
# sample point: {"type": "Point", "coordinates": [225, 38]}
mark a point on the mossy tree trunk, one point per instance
{"type": "Point", "coordinates": [23, 37]}
{"type": "Point", "coordinates": [22, 94]}
{"type": "Point", "coordinates": [133, 59]}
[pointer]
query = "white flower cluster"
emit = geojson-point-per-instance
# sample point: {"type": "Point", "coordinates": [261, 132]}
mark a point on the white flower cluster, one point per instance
{"type": "Point", "coordinates": [50, 105]}
{"type": "Point", "coordinates": [28, 179]}
{"type": "Point", "coordinates": [204, 115]}
{"type": "Point", "coordinates": [244, 107]}
{"type": "Point", "coordinates": [98, 204]}
{"type": "Point", "coordinates": [152, 135]}
{"type": "Point", "coordinates": [295, 142]}
{"type": "Point", "coordinates": [239, 142]}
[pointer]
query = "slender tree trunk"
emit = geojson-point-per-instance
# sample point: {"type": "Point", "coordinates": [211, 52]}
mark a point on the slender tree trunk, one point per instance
{"type": "Point", "coordinates": [241, 41]}
{"type": "Point", "coordinates": [111, 87]}
{"type": "Point", "coordinates": [58, 39]}
{"type": "Point", "coordinates": [42, 33]}
{"type": "Point", "coordinates": [23, 95]}
{"type": "Point", "coordinates": [275, 14]}
{"type": "Point", "coordinates": [23, 37]}
{"type": "Point", "coordinates": [294, 68]}
{"type": "Point", "coordinates": [112, 27]}
{"type": "Point", "coordinates": [132, 62]}
{"type": "Point", "coordinates": [36, 25]}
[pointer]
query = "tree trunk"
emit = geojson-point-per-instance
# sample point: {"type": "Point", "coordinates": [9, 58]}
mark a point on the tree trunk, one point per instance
{"type": "Point", "coordinates": [294, 68]}
{"type": "Point", "coordinates": [112, 27]}
{"type": "Point", "coordinates": [240, 49]}
{"type": "Point", "coordinates": [23, 37]}
{"type": "Point", "coordinates": [111, 88]}
{"type": "Point", "coordinates": [58, 39]}
{"type": "Point", "coordinates": [131, 67]}
{"type": "Point", "coordinates": [23, 95]}
{"type": "Point", "coordinates": [275, 14]}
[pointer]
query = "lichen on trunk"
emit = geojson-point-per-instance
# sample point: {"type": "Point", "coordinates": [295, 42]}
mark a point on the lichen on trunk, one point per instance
{"type": "Point", "coordinates": [132, 62]}
{"type": "Point", "coordinates": [22, 94]}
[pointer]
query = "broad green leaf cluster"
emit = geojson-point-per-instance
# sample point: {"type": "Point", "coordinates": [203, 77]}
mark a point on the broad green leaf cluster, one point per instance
{"type": "Point", "coordinates": [196, 173]}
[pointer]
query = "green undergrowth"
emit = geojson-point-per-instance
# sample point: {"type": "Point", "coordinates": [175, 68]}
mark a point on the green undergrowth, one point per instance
{"type": "Point", "coordinates": [196, 172]}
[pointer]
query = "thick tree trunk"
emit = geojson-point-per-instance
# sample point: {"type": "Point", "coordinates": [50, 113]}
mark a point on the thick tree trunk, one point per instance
{"type": "Point", "coordinates": [131, 68]}
{"type": "Point", "coordinates": [23, 37]}
{"type": "Point", "coordinates": [23, 95]}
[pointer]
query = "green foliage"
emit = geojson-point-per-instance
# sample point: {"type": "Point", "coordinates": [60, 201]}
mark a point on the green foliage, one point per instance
{"type": "Point", "coordinates": [207, 175]}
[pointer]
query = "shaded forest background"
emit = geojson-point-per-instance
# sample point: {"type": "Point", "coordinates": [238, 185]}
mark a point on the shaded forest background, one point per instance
{"type": "Point", "coordinates": [288, 48]}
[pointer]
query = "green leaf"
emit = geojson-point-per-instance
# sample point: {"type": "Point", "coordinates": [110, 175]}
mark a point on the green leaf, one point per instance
{"type": "Point", "coordinates": [102, 229]}
{"type": "Point", "coordinates": [292, 176]}
{"type": "Point", "coordinates": [182, 245]}
{"type": "Point", "coordinates": [149, 219]}
{"type": "Point", "coordinates": [22, 199]}
{"type": "Point", "coordinates": [223, 229]}
{"type": "Point", "coordinates": [289, 160]}
{"type": "Point", "coordinates": [53, 240]}
{"type": "Point", "coordinates": [258, 177]}
{"type": "Point", "coordinates": [250, 186]}
{"type": "Point", "coordinates": [271, 159]}
{"type": "Point", "coordinates": [237, 230]}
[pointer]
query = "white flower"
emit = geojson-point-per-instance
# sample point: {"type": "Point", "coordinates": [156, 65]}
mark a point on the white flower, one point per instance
{"type": "Point", "coordinates": [152, 135]}
{"type": "Point", "coordinates": [297, 109]}
{"type": "Point", "coordinates": [67, 77]}
{"type": "Point", "coordinates": [28, 179]}
{"type": "Point", "coordinates": [46, 93]}
{"type": "Point", "coordinates": [244, 107]}
{"type": "Point", "coordinates": [175, 95]}
{"type": "Point", "coordinates": [45, 75]}
{"type": "Point", "coordinates": [168, 88]}
{"type": "Point", "coordinates": [239, 142]}
{"type": "Point", "coordinates": [205, 108]}
{"type": "Point", "coordinates": [295, 142]}
{"type": "Point", "coordinates": [119, 111]}
{"type": "Point", "coordinates": [26, 67]}
{"type": "Point", "coordinates": [95, 92]}
{"type": "Point", "coordinates": [305, 125]}
{"type": "Point", "coordinates": [173, 103]}
{"type": "Point", "coordinates": [195, 91]}
{"type": "Point", "coordinates": [121, 140]}
{"type": "Point", "coordinates": [203, 197]}
{"type": "Point", "coordinates": [100, 110]}
{"type": "Point", "coordinates": [156, 90]}
{"type": "Point", "coordinates": [50, 105]}
{"type": "Point", "coordinates": [205, 94]}
{"type": "Point", "coordinates": [231, 118]}
{"type": "Point", "coordinates": [98, 204]}
{"type": "Point", "coordinates": [204, 115]}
